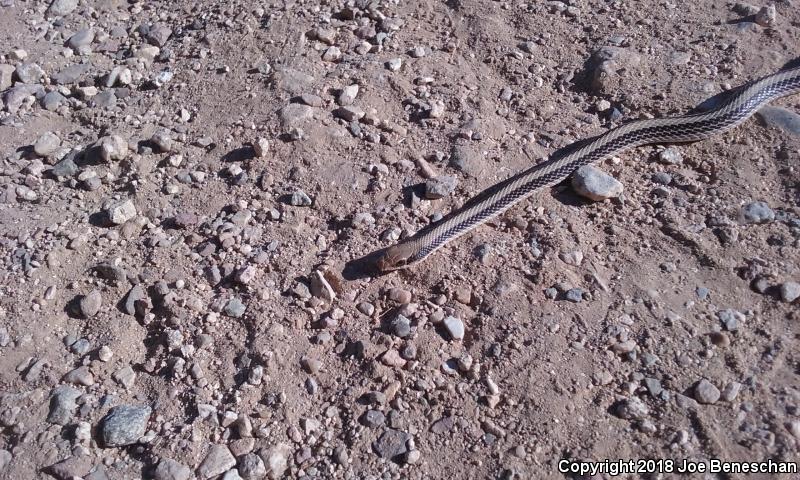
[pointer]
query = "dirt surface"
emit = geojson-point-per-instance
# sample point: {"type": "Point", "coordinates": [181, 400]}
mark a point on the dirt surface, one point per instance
{"type": "Point", "coordinates": [185, 187]}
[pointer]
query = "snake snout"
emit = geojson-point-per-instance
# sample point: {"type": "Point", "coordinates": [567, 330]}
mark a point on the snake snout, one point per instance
{"type": "Point", "coordinates": [394, 258]}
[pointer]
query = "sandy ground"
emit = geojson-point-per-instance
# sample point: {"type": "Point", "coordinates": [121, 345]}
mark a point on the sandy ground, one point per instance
{"type": "Point", "coordinates": [178, 177]}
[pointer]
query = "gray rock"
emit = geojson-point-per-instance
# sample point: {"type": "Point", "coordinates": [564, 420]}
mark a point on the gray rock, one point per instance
{"type": "Point", "coordinates": [111, 148]}
{"type": "Point", "coordinates": [670, 156]}
{"type": "Point", "coordinates": [63, 404]}
{"type": "Point", "coordinates": [234, 308]}
{"type": "Point", "coordinates": [124, 425]}
{"type": "Point", "coordinates": [163, 140]}
{"type": "Point", "coordinates": [730, 319]}
{"type": "Point", "coordinates": [440, 187]}
{"type": "Point", "coordinates": [373, 418]}
{"type": "Point", "coordinates": [465, 159]}
{"type": "Point", "coordinates": [121, 211]}
{"type": "Point", "coordinates": [757, 212]}
{"type": "Point", "coordinates": [104, 99]}
{"type": "Point", "coordinates": [60, 8]}
{"type": "Point", "coordinates": [299, 198]}
{"type": "Point", "coordinates": [653, 386]}
{"type": "Point", "coordinates": [16, 95]}
{"type": "Point", "coordinates": [168, 469]}
{"type": "Point", "coordinates": [110, 272]}
{"type": "Point", "coordinates": [400, 326]}
{"type": "Point", "coordinates": [595, 184]}
{"type": "Point", "coordinates": [158, 35]}
{"type": "Point", "coordinates": [71, 74]}
{"type": "Point", "coordinates": [790, 291]}
{"type": "Point", "coordinates": [631, 409]}
{"type": "Point", "coordinates": [767, 16]}
{"type": "Point", "coordinates": [29, 73]}
{"type": "Point", "coordinates": [731, 391]}
{"type": "Point", "coordinates": [46, 144]}
{"type": "Point", "coordinates": [574, 295]}
{"type": "Point", "coordinates": [135, 294]}
{"type": "Point", "coordinates": [347, 95]}
{"type": "Point", "coordinates": [125, 376]}
{"type": "Point", "coordinates": [6, 73]}
{"type": "Point", "coordinates": [70, 468]}
{"type": "Point", "coordinates": [391, 444]}
{"type": "Point", "coordinates": [66, 167]}
{"type": "Point", "coordinates": [662, 178]}
{"type": "Point", "coordinates": [5, 459]}
{"type": "Point", "coordinates": [781, 118]}
{"type": "Point", "coordinates": [454, 327]}
{"type": "Point", "coordinates": [251, 467]}
{"type": "Point", "coordinates": [276, 459]}
{"type": "Point", "coordinates": [705, 392]}
{"type": "Point", "coordinates": [218, 461]}
{"type": "Point", "coordinates": [53, 100]}
{"type": "Point", "coordinates": [292, 81]}
{"type": "Point", "coordinates": [89, 305]}
{"type": "Point", "coordinates": [81, 38]}
{"type": "Point", "coordinates": [295, 114]}
{"type": "Point", "coordinates": [80, 376]}
{"type": "Point", "coordinates": [349, 113]}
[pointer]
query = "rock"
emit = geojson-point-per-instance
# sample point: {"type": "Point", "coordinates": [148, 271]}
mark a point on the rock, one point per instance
{"type": "Point", "coordinates": [594, 184]}
{"type": "Point", "coordinates": [121, 211]}
{"type": "Point", "coordinates": [70, 468]}
{"type": "Point", "coordinates": [631, 409]}
{"type": "Point", "coordinates": [261, 147]}
{"type": "Point", "coordinates": [767, 16]}
{"type": "Point", "coordinates": [730, 319]}
{"type": "Point", "coordinates": [60, 8]}
{"type": "Point", "coordinates": [332, 54]}
{"type": "Point", "coordinates": [70, 74]}
{"type": "Point", "coordinates": [731, 391]}
{"type": "Point", "coordinates": [606, 64]}
{"type": "Point", "coordinates": [124, 425]}
{"type": "Point", "coordinates": [6, 72]}
{"type": "Point", "coordinates": [465, 159]}
{"type": "Point", "coordinates": [299, 198]}
{"type": "Point", "coordinates": [135, 294]}
{"type": "Point", "coordinates": [89, 305]}
{"type": "Point", "coordinates": [373, 418]}
{"type": "Point", "coordinates": [5, 459]}
{"type": "Point", "coordinates": [705, 392]}
{"type": "Point", "coordinates": [112, 148]}
{"type": "Point", "coordinates": [440, 187]}
{"type": "Point", "coordinates": [234, 308]}
{"type": "Point", "coordinates": [46, 144]}
{"type": "Point", "coordinates": [574, 295]}
{"type": "Point", "coordinates": [125, 376]}
{"type": "Point", "coordinates": [104, 99]}
{"type": "Point", "coordinates": [295, 114]}
{"type": "Point", "coordinates": [168, 469]}
{"type": "Point", "coordinates": [349, 113]}
{"type": "Point", "coordinates": [251, 467]}
{"type": "Point", "coordinates": [63, 404]}
{"type": "Point", "coordinates": [454, 327]}
{"type": "Point", "coordinates": [29, 73]}
{"type": "Point", "coordinates": [394, 64]}
{"type": "Point", "coordinates": [391, 444]}
{"type": "Point", "coordinates": [790, 291]}
{"type": "Point", "coordinates": [781, 118]}
{"type": "Point", "coordinates": [81, 38]}
{"type": "Point", "coordinates": [757, 212]}
{"type": "Point", "coordinates": [276, 459]}
{"type": "Point", "coordinates": [163, 140]}
{"type": "Point", "coordinates": [292, 81]}
{"type": "Point", "coordinates": [400, 326]}
{"type": "Point", "coordinates": [15, 96]}
{"type": "Point", "coordinates": [670, 156]}
{"type": "Point", "coordinates": [158, 35]}
{"type": "Point", "coordinates": [219, 460]}
{"type": "Point", "coordinates": [53, 100]}
{"type": "Point", "coordinates": [399, 295]}
{"type": "Point", "coordinates": [80, 376]}
{"type": "Point", "coordinates": [346, 97]}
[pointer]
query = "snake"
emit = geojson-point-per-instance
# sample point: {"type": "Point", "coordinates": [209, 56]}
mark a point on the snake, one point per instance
{"type": "Point", "coordinates": [738, 106]}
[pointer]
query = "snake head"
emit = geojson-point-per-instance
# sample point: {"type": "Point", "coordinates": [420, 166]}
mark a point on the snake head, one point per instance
{"type": "Point", "coordinates": [395, 258]}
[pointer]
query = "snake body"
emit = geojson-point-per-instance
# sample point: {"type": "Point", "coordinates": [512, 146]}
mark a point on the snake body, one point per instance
{"type": "Point", "coordinates": [495, 200]}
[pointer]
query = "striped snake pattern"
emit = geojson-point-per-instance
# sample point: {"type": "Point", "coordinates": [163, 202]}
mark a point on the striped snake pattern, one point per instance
{"type": "Point", "coordinates": [495, 200]}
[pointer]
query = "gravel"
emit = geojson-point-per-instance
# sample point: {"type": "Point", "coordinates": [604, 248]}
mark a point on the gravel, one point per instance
{"type": "Point", "coordinates": [705, 392]}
